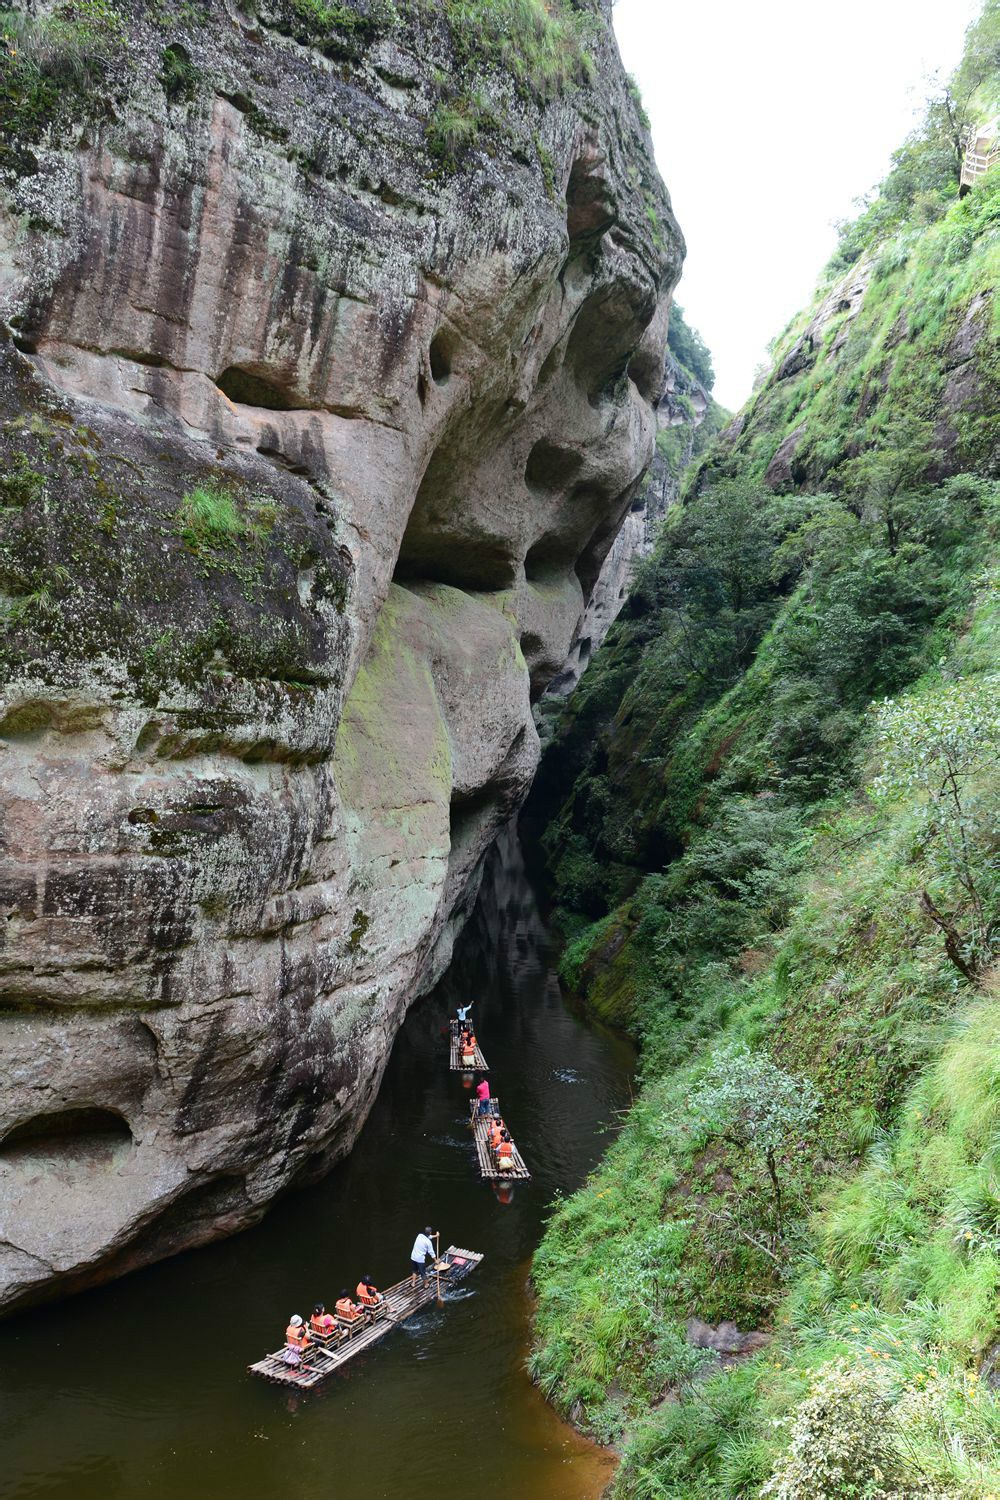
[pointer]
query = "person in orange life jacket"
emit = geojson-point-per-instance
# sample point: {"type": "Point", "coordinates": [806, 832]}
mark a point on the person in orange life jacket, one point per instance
{"type": "Point", "coordinates": [348, 1311]}
{"type": "Point", "coordinates": [505, 1151]}
{"type": "Point", "coordinates": [469, 1048]}
{"type": "Point", "coordinates": [368, 1293]}
{"type": "Point", "coordinates": [483, 1095]}
{"type": "Point", "coordinates": [296, 1339]}
{"type": "Point", "coordinates": [496, 1132]}
{"type": "Point", "coordinates": [321, 1321]}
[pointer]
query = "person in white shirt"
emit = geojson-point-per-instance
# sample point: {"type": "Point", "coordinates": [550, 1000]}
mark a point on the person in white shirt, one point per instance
{"type": "Point", "coordinates": [463, 1013]}
{"type": "Point", "coordinates": [423, 1246]}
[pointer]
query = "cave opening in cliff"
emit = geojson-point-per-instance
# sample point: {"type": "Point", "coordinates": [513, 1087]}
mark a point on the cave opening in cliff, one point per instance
{"type": "Point", "coordinates": [597, 358]}
{"type": "Point", "coordinates": [467, 813]}
{"type": "Point", "coordinates": [441, 546]}
{"type": "Point", "coordinates": [440, 357]}
{"type": "Point", "coordinates": [547, 559]}
{"type": "Point", "coordinates": [590, 559]}
{"type": "Point", "coordinates": [247, 388]}
{"type": "Point", "coordinates": [551, 467]}
{"type": "Point", "coordinates": [86, 1134]}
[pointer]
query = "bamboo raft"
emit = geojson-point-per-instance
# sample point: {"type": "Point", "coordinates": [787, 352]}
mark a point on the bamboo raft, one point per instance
{"type": "Point", "coordinates": [322, 1356]}
{"type": "Point", "coordinates": [457, 1065]}
{"type": "Point", "coordinates": [487, 1160]}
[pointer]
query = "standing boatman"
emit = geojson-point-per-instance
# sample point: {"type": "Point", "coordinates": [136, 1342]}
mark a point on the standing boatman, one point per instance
{"type": "Point", "coordinates": [463, 1013]}
{"type": "Point", "coordinates": [423, 1246]}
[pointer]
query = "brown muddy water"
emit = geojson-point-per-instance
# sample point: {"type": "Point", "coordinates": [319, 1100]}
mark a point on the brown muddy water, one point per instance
{"type": "Point", "coordinates": [140, 1389]}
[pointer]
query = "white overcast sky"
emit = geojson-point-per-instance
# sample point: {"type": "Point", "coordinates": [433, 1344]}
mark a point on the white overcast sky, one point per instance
{"type": "Point", "coordinates": [769, 118]}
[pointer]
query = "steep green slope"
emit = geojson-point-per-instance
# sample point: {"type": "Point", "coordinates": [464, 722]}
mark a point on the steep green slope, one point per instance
{"type": "Point", "coordinates": [772, 837]}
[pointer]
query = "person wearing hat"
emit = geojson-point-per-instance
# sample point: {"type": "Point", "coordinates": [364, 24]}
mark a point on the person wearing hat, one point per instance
{"type": "Point", "coordinates": [296, 1339]}
{"type": "Point", "coordinates": [423, 1246]}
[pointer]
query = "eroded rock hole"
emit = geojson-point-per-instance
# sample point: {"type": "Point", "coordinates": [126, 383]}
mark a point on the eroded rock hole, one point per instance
{"type": "Point", "coordinates": [548, 558]}
{"type": "Point", "coordinates": [442, 544]}
{"type": "Point", "coordinates": [552, 362]}
{"type": "Point", "coordinates": [551, 467]}
{"type": "Point", "coordinates": [147, 736]}
{"type": "Point", "coordinates": [142, 357]}
{"type": "Point", "coordinates": [467, 816]}
{"type": "Point", "coordinates": [602, 341]}
{"type": "Point", "coordinates": [249, 389]}
{"type": "Point", "coordinates": [141, 815]}
{"type": "Point", "coordinates": [588, 564]}
{"type": "Point", "coordinates": [241, 102]}
{"type": "Point", "coordinates": [85, 1137]}
{"type": "Point", "coordinates": [26, 720]}
{"type": "Point", "coordinates": [440, 358]}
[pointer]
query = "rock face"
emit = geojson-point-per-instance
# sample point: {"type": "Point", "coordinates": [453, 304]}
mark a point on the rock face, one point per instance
{"type": "Point", "coordinates": [316, 430]}
{"type": "Point", "coordinates": [682, 406]}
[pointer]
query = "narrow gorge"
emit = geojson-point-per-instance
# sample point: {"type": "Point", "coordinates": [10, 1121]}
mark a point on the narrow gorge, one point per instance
{"type": "Point", "coordinates": [395, 621]}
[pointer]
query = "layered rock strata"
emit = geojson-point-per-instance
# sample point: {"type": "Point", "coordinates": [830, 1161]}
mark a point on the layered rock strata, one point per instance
{"type": "Point", "coordinates": [316, 430]}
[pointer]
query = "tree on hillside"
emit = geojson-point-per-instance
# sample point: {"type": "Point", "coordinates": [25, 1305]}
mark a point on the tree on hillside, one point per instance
{"type": "Point", "coordinates": [715, 576]}
{"type": "Point", "coordinates": [925, 170]}
{"type": "Point", "coordinates": [689, 348]}
{"type": "Point", "coordinates": [883, 485]}
{"type": "Point", "coordinates": [943, 745]}
{"type": "Point", "coordinates": [757, 1106]}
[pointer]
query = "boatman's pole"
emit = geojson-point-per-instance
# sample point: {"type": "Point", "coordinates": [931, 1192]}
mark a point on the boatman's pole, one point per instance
{"type": "Point", "coordinates": [437, 1262]}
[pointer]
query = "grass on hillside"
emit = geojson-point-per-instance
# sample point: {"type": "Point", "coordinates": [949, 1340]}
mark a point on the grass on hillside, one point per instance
{"type": "Point", "coordinates": [898, 1272]}
{"type": "Point", "coordinates": [752, 849]}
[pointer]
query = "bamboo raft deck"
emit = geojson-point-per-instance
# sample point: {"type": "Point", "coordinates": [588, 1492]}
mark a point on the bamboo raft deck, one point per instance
{"type": "Point", "coordinates": [487, 1161]}
{"type": "Point", "coordinates": [321, 1357]}
{"type": "Point", "coordinates": [457, 1065]}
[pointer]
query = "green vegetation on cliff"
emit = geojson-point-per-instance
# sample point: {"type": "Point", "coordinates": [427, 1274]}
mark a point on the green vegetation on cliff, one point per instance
{"type": "Point", "coordinates": [773, 843]}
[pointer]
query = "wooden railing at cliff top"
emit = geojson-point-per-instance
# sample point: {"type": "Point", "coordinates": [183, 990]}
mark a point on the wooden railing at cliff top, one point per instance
{"type": "Point", "coordinates": [982, 153]}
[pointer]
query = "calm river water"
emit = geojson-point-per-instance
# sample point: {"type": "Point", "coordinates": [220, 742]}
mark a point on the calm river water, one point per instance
{"type": "Point", "coordinates": [139, 1388]}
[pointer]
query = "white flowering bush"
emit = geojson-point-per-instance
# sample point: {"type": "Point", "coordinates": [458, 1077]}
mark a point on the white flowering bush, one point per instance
{"type": "Point", "coordinates": [841, 1441]}
{"type": "Point", "coordinates": [855, 1438]}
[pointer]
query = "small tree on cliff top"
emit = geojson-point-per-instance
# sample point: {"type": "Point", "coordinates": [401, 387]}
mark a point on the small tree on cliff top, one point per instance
{"type": "Point", "coordinates": [756, 1105]}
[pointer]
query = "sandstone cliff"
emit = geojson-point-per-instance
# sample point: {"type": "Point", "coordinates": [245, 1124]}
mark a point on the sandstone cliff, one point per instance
{"type": "Point", "coordinates": [332, 337]}
{"type": "Point", "coordinates": [680, 412]}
